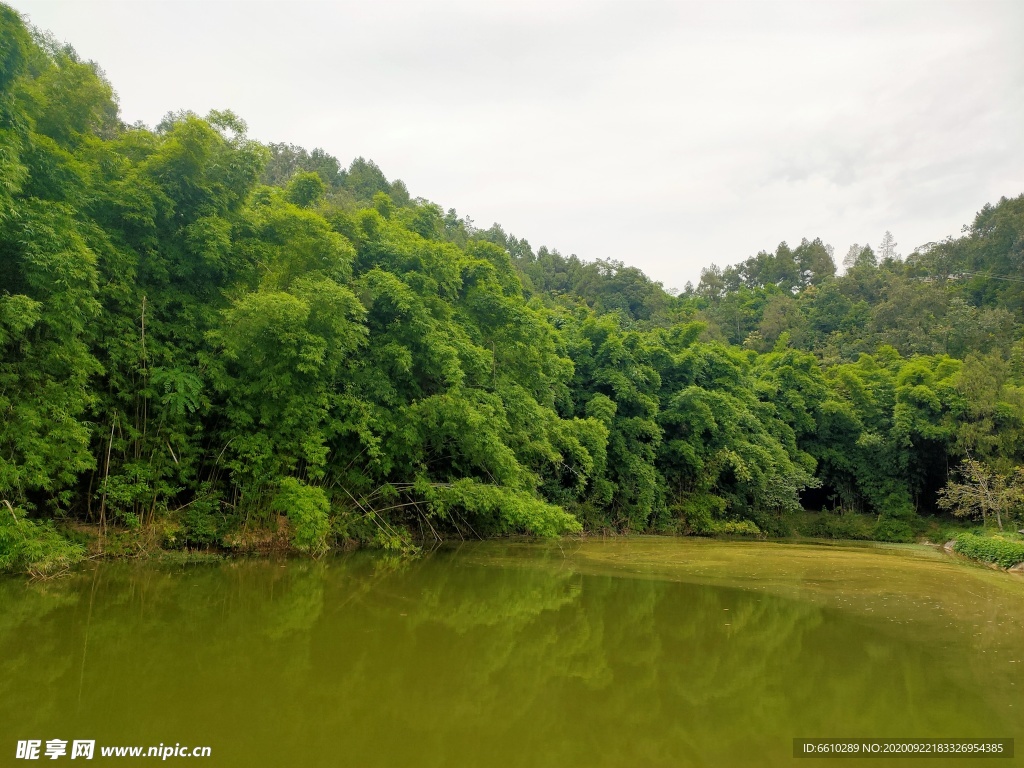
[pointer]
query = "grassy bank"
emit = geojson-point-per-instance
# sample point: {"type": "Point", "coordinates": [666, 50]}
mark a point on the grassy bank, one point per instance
{"type": "Point", "coordinates": [46, 549]}
{"type": "Point", "coordinates": [1004, 549]}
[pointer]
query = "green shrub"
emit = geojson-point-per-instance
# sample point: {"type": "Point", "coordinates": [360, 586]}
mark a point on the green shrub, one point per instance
{"type": "Point", "coordinates": [499, 509]}
{"type": "Point", "coordinates": [941, 531]}
{"type": "Point", "coordinates": [892, 529]}
{"type": "Point", "coordinates": [828, 525]}
{"type": "Point", "coordinates": [772, 523]}
{"type": "Point", "coordinates": [34, 548]}
{"type": "Point", "coordinates": [737, 528]}
{"type": "Point", "coordinates": [308, 511]}
{"type": "Point", "coordinates": [699, 511]}
{"type": "Point", "coordinates": [1002, 551]}
{"type": "Point", "coordinates": [200, 523]}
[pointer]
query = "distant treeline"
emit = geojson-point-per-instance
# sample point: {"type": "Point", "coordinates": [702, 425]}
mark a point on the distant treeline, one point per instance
{"type": "Point", "coordinates": [202, 337]}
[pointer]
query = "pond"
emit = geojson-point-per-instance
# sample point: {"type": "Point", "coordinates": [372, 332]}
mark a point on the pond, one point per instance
{"type": "Point", "coordinates": [620, 652]}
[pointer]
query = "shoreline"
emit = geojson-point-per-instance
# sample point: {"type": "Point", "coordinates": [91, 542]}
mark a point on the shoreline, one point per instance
{"type": "Point", "coordinates": [117, 544]}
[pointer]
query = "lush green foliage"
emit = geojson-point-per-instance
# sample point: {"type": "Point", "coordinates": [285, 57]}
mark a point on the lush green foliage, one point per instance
{"type": "Point", "coordinates": [990, 549]}
{"type": "Point", "coordinates": [836, 526]}
{"type": "Point", "coordinates": [34, 547]}
{"type": "Point", "coordinates": [984, 493]}
{"type": "Point", "coordinates": [199, 334]}
{"type": "Point", "coordinates": [308, 509]}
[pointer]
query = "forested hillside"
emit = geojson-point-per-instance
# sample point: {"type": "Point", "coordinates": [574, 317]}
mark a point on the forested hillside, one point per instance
{"type": "Point", "coordinates": [204, 339]}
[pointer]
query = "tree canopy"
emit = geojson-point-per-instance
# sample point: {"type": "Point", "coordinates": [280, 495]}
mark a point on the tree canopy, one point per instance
{"type": "Point", "coordinates": [201, 336]}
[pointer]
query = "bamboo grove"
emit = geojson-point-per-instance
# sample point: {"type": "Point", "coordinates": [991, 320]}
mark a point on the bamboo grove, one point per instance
{"type": "Point", "coordinates": [205, 338]}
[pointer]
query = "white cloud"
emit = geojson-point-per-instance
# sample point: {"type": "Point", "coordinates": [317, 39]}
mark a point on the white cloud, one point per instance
{"type": "Point", "coordinates": [664, 134]}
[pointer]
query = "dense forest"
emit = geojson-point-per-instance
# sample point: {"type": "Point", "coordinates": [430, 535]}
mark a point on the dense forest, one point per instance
{"type": "Point", "coordinates": [209, 342]}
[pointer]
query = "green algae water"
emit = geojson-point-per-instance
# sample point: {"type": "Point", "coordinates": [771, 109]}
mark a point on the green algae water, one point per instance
{"type": "Point", "coordinates": [627, 652]}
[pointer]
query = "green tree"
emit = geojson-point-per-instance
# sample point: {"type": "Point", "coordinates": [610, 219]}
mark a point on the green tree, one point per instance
{"type": "Point", "coordinates": [984, 493]}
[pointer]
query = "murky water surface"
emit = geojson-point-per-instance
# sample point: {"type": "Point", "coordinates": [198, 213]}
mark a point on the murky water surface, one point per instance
{"type": "Point", "coordinates": [633, 652]}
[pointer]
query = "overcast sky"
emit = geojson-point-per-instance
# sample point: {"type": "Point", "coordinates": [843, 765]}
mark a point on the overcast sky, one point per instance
{"type": "Point", "coordinates": [668, 135]}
